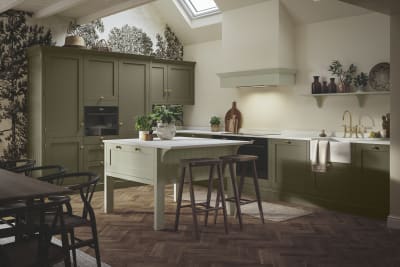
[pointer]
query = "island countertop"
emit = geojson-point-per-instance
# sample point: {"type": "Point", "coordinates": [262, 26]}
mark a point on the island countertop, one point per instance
{"type": "Point", "coordinates": [178, 142]}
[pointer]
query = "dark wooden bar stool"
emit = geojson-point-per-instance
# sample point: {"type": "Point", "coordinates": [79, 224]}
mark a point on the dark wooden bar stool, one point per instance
{"type": "Point", "coordinates": [201, 207]}
{"type": "Point", "coordinates": [245, 161]}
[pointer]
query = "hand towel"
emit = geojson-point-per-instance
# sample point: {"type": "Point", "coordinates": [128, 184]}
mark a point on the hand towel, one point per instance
{"type": "Point", "coordinates": [320, 155]}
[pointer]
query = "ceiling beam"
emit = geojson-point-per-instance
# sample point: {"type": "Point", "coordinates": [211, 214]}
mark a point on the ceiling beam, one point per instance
{"type": "Point", "coordinates": [115, 8]}
{"type": "Point", "coordinates": [8, 4]}
{"type": "Point", "coordinates": [57, 8]}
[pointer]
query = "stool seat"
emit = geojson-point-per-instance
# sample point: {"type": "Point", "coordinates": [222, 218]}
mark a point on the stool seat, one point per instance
{"type": "Point", "coordinates": [239, 158]}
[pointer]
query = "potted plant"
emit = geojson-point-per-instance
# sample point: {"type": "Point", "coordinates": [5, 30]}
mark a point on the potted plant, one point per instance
{"type": "Point", "coordinates": [215, 122]}
{"type": "Point", "coordinates": [361, 81]}
{"type": "Point", "coordinates": [73, 37]}
{"type": "Point", "coordinates": [144, 124]}
{"type": "Point", "coordinates": [345, 76]}
{"type": "Point", "coordinates": [165, 119]}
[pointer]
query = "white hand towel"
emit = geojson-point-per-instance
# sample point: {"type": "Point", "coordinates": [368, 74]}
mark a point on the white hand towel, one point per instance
{"type": "Point", "coordinates": [320, 156]}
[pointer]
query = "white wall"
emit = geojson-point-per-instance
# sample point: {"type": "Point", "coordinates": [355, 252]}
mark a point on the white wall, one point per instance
{"type": "Point", "coordinates": [363, 40]}
{"type": "Point", "coordinates": [394, 217]}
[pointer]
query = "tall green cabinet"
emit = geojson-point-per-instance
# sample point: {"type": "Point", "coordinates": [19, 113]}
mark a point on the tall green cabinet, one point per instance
{"type": "Point", "coordinates": [62, 81]}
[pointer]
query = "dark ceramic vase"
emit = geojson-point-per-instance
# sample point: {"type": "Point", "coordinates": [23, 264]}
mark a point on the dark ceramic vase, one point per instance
{"type": "Point", "coordinates": [332, 87]}
{"type": "Point", "coordinates": [325, 88]}
{"type": "Point", "coordinates": [316, 86]}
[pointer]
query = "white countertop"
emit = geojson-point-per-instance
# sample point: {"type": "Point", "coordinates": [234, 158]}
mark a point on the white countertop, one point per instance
{"type": "Point", "coordinates": [294, 135]}
{"type": "Point", "coordinates": [178, 142]}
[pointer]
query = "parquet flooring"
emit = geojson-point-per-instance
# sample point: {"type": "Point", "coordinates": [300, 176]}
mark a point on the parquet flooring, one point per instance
{"type": "Point", "coordinates": [324, 238]}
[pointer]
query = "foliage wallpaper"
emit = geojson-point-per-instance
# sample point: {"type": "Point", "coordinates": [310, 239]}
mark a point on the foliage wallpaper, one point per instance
{"type": "Point", "coordinates": [15, 36]}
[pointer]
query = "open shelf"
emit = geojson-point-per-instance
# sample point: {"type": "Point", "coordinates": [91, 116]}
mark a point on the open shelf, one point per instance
{"type": "Point", "coordinates": [361, 96]}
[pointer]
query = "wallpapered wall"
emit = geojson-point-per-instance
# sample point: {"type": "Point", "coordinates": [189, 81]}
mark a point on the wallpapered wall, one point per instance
{"type": "Point", "coordinates": [18, 32]}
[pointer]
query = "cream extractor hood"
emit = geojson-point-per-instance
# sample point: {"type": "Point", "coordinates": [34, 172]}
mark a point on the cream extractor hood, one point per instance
{"type": "Point", "coordinates": [257, 46]}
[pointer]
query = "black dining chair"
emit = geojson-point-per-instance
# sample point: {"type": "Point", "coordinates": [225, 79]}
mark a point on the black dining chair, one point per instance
{"type": "Point", "coordinates": [83, 183]}
{"type": "Point", "coordinates": [44, 173]}
{"type": "Point", "coordinates": [34, 247]}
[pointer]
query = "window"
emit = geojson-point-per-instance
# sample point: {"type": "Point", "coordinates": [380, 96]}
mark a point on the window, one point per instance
{"type": "Point", "coordinates": [199, 8]}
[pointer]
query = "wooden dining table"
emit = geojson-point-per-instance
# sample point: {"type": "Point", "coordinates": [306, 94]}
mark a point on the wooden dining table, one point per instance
{"type": "Point", "coordinates": [15, 187]}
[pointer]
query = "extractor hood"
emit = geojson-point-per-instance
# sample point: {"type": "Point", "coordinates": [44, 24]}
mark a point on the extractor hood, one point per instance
{"type": "Point", "coordinates": [258, 46]}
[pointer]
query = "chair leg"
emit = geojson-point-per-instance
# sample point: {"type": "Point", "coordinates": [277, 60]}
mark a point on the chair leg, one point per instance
{"type": "Point", "coordinates": [210, 186]}
{"type": "Point", "coordinates": [236, 194]}
{"type": "Point", "coordinates": [73, 249]}
{"type": "Point", "coordinates": [179, 200]}
{"type": "Point", "coordinates": [193, 203]}
{"type": "Point", "coordinates": [96, 242]}
{"type": "Point", "coordinates": [257, 189]}
{"type": "Point", "coordinates": [241, 182]}
{"type": "Point", "coordinates": [217, 205]}
{"type": "Point", "coordinates": [222, 196]}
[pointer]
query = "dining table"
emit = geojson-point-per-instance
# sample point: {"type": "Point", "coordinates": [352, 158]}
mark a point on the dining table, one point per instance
{"type": "Point", "coordinates": [157, 163]}
{"type": "Point", "coordinates": [15, 187]}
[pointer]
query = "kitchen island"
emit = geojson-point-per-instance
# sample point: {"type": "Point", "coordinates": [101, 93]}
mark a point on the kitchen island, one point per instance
{"type": "Point", "coordinates": [157, 163]}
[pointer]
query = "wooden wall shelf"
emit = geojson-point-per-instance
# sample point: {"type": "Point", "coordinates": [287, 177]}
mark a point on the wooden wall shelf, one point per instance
{"type": "Point", "coordinates": [361, 96]}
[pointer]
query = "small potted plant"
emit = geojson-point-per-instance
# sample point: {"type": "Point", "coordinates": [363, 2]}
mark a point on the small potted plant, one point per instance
{"type": "Point", "coordinates": [215, 123]}
{"type": "Point", "coordinates": [144, 124]}
{"type": "Point", "coordinates": [73, 38]}
{"type": "Point", "coordinates": [165, 119]}
{"type": "Point", "coordinates": [361, 81]}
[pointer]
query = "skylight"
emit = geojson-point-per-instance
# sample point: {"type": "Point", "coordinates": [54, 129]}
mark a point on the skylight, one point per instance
{"type": "Point", "coordinates": [199, 8]}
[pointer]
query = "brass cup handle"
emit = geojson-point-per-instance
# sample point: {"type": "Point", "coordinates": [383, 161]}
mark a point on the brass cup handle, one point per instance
{"type": "Point", "coordinates": [288, 142]}
{"type": "Point", "coordinates": [118, 147]}
{"type": "Point", "coordinates": [375, 148]}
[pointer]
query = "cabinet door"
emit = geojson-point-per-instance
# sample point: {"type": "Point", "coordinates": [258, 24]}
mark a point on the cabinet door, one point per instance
{"type": "Point", "coordinates": [63, 109]}
{"type": "Point", "coordinates": [93, 159]}
{"type": "Point", "coordinates": [158, 83]}
{"type": "Point", "coordinates": [288, 164]}
{"type": "Point", "coordinates": [100, 81]}
{"type": "Point", "coordinates": [133, 82]}
{"type": "Point", "coordinates": [67, 152]}
{"type": "Point", "coordinates": [372, 162]}
{"type": "Point", "coordinates": [180, 88]}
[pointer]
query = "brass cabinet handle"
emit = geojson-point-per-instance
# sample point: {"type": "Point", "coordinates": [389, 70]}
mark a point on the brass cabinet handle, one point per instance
{"type": "Point", "coordinates": [137, 149]}
{"type": "Point", "coordinates": [82, 124]}
{"type": "Point", "coordinates": [118, 147]}
{"type": "Point", "coordinates": [375, 148]}
{"type": "Point", "coordinates": [288, 142]}
{"type": "Point", "coordinates": [121, 123]}
{"type": "Point", "coordinates": [81, 147]}
{"type": "Point", "coordinates": [101, 137]}
{"type": "Point", "coordinates": [101, 97]}
{"type": "Point", "coordinates": [101, 163]}
{"type": "Point", "coordinates": [101, 146]}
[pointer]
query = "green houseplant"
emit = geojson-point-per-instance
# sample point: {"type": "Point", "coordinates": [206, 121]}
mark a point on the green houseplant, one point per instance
{"type": "Point", "coordinates": [345, 76]}
{"type": "Point", "coordinates": [215, 123]}
{"type": "Point", "coordinates": [144, 124]}
{"type": "Point", "coordinates": [361, 81]}
{"type": "Point", "coordinates": [165, 119]}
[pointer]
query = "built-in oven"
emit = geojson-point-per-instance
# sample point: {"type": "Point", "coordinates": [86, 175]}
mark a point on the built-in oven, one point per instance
{"type": "Point", "coordinates": [259, 148]}
{"type": "Point", "coordinates": [100, 121]}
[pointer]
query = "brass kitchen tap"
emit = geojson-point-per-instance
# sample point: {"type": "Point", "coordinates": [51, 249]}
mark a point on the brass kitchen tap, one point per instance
{"type": "Point", "coordinates": [350, 128]}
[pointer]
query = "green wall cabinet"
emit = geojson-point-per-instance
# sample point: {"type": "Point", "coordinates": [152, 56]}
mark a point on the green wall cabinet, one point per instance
{"type": "Point", "coordinates": [62, 81]}
{"type": "Point", "coordinates": [172, 83]}
{"type": "Point", "coordinates": [133, 86]}
{"type": "Point", "coordinates": [100, 77]}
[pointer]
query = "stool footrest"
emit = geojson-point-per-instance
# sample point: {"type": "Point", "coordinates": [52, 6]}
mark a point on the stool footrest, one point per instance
{"type": "Point", "coordinates": [242, 201]}
{"type": "Point", "coordinates": [203, 206]}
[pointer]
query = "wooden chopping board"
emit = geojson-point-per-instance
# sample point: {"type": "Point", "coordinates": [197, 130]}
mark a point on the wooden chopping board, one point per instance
{"type": "Point", "coordinates": [233, 119]}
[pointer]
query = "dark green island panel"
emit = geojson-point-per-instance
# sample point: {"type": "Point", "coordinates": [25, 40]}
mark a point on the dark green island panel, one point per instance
{"type": "Point", "coordinates": [62, 81]}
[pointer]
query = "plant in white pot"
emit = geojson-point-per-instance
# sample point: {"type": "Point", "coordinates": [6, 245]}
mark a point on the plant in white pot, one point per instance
{"type": "Point", "coordinates": [144, 124]}
{"type": "Point", "coordinates": [165, 119]}
{"type": "Point", "coordinates": [215, 122]}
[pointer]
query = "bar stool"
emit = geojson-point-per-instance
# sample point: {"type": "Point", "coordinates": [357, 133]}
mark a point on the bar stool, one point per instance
{"type": "Point", "coordinates": [200, 207]}
{"type": "Point", "coordinates": [243, 161]}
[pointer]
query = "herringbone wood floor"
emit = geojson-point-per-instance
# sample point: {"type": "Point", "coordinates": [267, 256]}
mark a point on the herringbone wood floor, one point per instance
{"type": "Point", "coordinates": [324, 238]}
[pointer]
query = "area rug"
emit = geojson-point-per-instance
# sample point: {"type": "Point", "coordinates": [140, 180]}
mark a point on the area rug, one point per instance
{"type": "Point", "coordinates": [272, 211]}
{"type": "Point", "coordinates": [83, 259]}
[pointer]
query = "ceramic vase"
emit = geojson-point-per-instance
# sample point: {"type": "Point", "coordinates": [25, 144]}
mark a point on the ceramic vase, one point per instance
{"type": "Point", "coordinates": [316, 86]}
{"type": "Point", "coordinates": [325, 88]}
{"type": "Point", "coordinates": [214, 127]}
{"type": "Point", "coordinates": [332, 87]}
{"type": "Point", "coordinates": [166, 131]}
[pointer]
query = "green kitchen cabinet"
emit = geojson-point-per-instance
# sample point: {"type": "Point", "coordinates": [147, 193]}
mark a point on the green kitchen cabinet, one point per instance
{"type": "Point", "coordinates": [172, 83]}
{"type": "Point", "coordinates": [67, 152]}
{"type": "Point", "coordinates": [133, 85]}
{"type": "Point", "coordinates": [62, 95]}
{"type": "Point", "coordinates": [100, 80]}
{"type": "Point", "coordinates": [288, 163]}
{"type": "Point", "coordinates": [372, 168]}
{"type": "Point", "coordinates": [93, 159]}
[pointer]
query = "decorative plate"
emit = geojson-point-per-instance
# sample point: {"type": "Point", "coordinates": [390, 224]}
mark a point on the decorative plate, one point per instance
{"type": "Point", "coordinates": [379, 77]}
